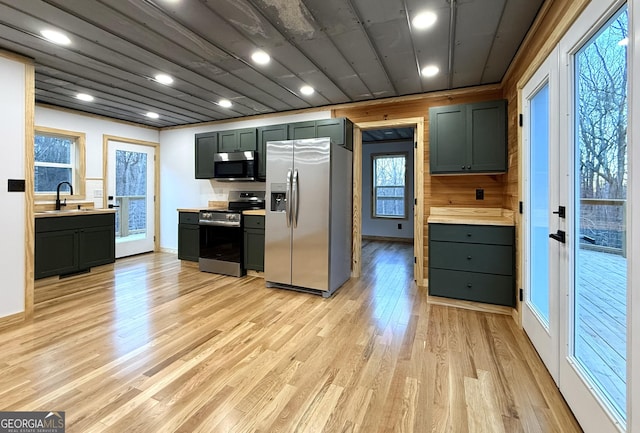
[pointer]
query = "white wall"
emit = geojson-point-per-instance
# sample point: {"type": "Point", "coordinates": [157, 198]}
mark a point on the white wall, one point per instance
{"type": "Point", "coordinates": [178, 186]}
{"type": "Point", "coordinates": [12, 166]}
{"type": "Point", "coordinates": [94, 128]}
{"type": "Point", "coordinates": [381, 226]}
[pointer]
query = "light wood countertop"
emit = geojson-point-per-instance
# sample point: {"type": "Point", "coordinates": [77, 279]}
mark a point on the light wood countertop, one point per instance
{"type": "Point", "coordinates": [211, 205]}
{"type": "Point", "coordinates": [259, 212]}
{"type": "Point", "coordinates": [71, 212]}
{"type": "Point", "coordinates": [476, 216]}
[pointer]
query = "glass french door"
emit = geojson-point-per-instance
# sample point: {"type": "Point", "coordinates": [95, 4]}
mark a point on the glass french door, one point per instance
{"type": "Point", "coordinates": [594, 358]}
{"type": "Point", "coordinates": [541, 156]}
{"type": "Point", "coordinates": [130, 187]}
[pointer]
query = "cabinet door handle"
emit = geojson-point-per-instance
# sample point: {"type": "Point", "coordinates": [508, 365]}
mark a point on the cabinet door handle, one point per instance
{"type": "Point", "coordinates": [469, 285]}
{"type": "Point", "coordinates": [468, 235]}
{"type": "Point", "coordinates": [462, 167]}
{"type": "Point", "coordinates": [468, 257]}
{"type": "Point", "coordinates": [468, 167]}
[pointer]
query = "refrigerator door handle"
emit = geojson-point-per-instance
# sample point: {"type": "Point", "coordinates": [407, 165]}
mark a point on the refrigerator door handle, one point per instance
{"type": "Point", "coordinates": [296, 199]}
{"type": "Point", "coordinates": [287, 200]}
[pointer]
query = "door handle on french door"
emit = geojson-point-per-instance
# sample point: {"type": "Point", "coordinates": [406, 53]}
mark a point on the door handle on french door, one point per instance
{"type": "Point", "coordinates": [559, 236]}
{"type": "Point", "coordinates": [561, 212]}
{"type": "Point", "coordinates": [287, 200]}
{"type": "Point", "coordinates": [296, 199]}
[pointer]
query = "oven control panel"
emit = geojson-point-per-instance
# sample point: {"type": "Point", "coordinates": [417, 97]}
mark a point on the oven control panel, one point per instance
{"type": "Point", "coordinates": [220, 218]}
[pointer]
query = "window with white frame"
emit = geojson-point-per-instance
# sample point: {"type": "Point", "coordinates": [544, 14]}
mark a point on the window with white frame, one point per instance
{"type": "Point", "coordinates": [58, 157]}
{"type": "Point", "coordinates": [389, 185]}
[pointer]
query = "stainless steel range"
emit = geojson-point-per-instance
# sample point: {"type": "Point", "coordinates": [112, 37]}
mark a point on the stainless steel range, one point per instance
{"type": "Point", "coordinates": [221, 234]}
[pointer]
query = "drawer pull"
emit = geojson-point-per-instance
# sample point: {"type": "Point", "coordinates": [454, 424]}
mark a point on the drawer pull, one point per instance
{"type": "Point", "coordinates": [469, 285]}
{"type": "Point", "coordinates": [468, 257]}
{"type": "Point", "coordinates": [468, 235]}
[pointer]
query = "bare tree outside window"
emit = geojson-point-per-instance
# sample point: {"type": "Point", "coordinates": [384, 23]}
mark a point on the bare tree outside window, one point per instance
{"type": "Point", "coordinates": [131, 192]}
{"type": "Point", "coordinates": [389, 185]}
{"type": "Point", "coordinates": [54, 162]}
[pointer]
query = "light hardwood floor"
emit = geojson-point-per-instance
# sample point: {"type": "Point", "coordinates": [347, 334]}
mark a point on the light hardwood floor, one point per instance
{"type": "Point", "coordinates": [156, 346]}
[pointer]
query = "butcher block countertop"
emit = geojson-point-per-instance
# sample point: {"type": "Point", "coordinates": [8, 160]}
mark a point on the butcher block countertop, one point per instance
{"type": "Point", "coordinates": [71, 212]}
{"type": "Point", "coordinates": [476, 216]}
{"type": "Point", "coordinates": [259, 212]}
{"type": "Point", "coordinates": [212, 205]}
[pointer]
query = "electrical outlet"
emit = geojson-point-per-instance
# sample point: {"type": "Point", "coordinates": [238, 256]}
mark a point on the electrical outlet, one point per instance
{"type": "Point", "coordinates": [479, 194]}
{"type": "Point", "coordinates": [399, 226]}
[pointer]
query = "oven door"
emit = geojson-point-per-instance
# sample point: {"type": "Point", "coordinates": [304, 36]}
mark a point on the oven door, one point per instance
{"type": "Point", "coordinates": [221, 250]}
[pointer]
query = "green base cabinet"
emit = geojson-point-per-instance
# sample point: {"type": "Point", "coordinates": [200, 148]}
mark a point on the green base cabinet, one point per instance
{"type": "Point", "coordinates": [254, 242]}
{"type": "Point", "coordinates": [468, 138]}
{"type": "Point", "coordinates": [188, 236]}
{"type": "Point", "coordinates": [72, 244]}
{"type": "Point", "coordinates": [472, 263]}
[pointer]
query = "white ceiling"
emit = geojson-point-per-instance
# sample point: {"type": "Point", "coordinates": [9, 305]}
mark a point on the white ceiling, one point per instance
{"type": "Point", "coordinates": [348, 50]}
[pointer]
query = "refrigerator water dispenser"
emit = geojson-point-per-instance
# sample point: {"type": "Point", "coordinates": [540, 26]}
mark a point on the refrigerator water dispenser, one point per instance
{"type": "Point", "coordinates": [278, 198]}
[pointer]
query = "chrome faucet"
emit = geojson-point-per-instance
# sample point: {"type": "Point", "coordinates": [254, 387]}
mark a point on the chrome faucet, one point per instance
{"type": "Point", "coordinates": [58, 204]}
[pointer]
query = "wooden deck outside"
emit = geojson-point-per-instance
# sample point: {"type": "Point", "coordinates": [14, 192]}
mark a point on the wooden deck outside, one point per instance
{"type": "Point", "coordinates": [601, 321]}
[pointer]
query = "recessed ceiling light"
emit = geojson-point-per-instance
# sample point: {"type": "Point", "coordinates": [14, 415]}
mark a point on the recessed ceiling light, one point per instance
{"type": "Point", "coordinates": [225, 103]}
{"type": "Point", "coordinates": [430, 71]}
{"type": "Point", "coordinates": [152, 115]}
{"type": "Point", "coordinates": [55, 37]}
{"type": "Point", "coordinates": [260, 57]}
{"type": "Point", "coordinates": [424, 20]}
{"type": "Point", "coordinates": [84, 97]}
{"type": "Point", "coordinates": [623, 42]}
{"type": "Point", "coordinates": [164, 79]}
{"type": "Point", "coordinates": [307, 90]}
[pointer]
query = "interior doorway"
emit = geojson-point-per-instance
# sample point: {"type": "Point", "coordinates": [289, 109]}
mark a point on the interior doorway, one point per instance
{"type": "Point", "coordinates": [415, 203]}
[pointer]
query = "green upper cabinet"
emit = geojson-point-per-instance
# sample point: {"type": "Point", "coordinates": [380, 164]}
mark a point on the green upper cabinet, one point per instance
{"type": "Point", "coordinates": [468, 138]}
{"type": "Point", "coordinates": [340, 130]}
{"type": "Point", "coordinates": [237, 140]}
{"type": "Point", "coordinates": [268, 133]}
{"type": "Point", "coordinates": [206, 147]}
{"type": "Point", "coordinates": [302, 130]}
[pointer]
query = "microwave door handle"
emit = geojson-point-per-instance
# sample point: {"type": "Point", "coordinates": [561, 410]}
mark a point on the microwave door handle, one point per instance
{"type": "Point", "coordinates": [296, 199]}
{"type": "Point", "coordinates": [287, 200]}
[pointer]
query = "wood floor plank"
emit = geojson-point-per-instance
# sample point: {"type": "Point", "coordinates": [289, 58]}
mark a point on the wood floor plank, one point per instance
{"type": "Point", "coordinates": [153, 345]}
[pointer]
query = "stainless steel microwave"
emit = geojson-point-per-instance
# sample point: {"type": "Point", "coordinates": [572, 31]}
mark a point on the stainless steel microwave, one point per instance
{"type": "Point", "coordinates": [235, 166]}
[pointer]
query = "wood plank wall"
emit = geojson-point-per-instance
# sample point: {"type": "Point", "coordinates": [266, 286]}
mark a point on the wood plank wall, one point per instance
{"type": "Point", "coordinates": [456, 191]}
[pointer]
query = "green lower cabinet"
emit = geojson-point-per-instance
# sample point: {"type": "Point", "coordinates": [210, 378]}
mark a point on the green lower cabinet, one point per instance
{"type": "Point", "coordinates": [254, 242]}
{"type": "Point", "coordinates": [472, 263]}
{"type": "Point", "coordinates": [70, 244]}
{"type": "Point", "coordinates": [188, 236]}
{"type": "Point", "coordinates": [56, 253]}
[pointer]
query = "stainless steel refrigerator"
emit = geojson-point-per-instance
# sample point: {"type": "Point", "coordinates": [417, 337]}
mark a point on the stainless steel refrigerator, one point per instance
{"type": "Point", "coordinates": [308, 218]}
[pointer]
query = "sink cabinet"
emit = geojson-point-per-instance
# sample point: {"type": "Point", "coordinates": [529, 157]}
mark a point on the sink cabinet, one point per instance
{"type": "Point", "coordinates": [72, 244]}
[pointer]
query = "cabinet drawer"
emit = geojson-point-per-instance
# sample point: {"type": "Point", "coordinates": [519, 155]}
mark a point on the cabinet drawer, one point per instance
{"type": "Point", "coordinates": [254, 222]}
{"type": "Point", "coordinates": [488, 259]}
{"type": "Point", "coordinates": [469, 233]}
{"type": "Point", "coordinates": [471, 286]}
{"type": "Point", "coordinates": [188, 217]}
